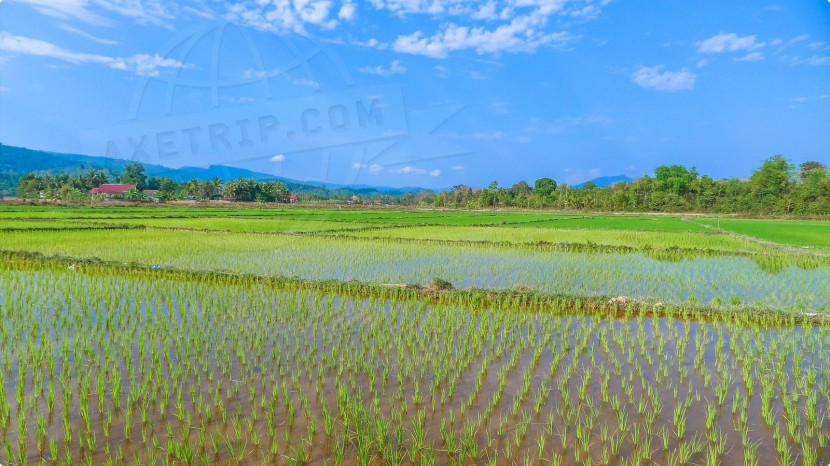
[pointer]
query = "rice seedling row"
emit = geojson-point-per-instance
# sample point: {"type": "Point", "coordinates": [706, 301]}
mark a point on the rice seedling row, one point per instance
{"type": "Point", "coordinates": [784, 282]}
{"type": "Point", "coordinates": [103, 367]}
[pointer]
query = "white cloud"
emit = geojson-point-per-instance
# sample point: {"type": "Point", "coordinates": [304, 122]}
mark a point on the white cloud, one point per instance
{"type": "Point", "coordinates": [476, 9]}
{"type": "Point", "coordinates": [458, 168]}
{"type": "Point", "coordinates": [347, 12]}
{"type": "Point", "coordinates": [288, 15]}
{"type": "Point", "coordinates": [25, 45]}
{"type": "Point", "coordinates": [141, 64]}
{"type": "Point", "coordinates": [652, 77]}
{"type": "Point", "coordinates": [435, 172]}
{"type": "Point", "coordinates": [798, 39]}
{"type": "Point", "coordinates": [751, 56]}
{"type": "Point", "coordinates": [512, 25]}
{"type": "Point", "coordinates": [74, 30]}
{"type": "Point", "coordinates": [66, 9]}
{"type": "Point", "coordinates": [144, 64]}
{"type": "Point", "coordinates": [409, 170]}
{"type": "Point", "coordinates": [306, 82]}
{"type": "Point", "coordinates": [251, 74]}
{"type": "Point", "coordinates": [4, 89]}
{"type": "Point", "coordinates": [278, 158]}
{"type": "Point", "coordinates": [814, 60]}
{"type": "Point", "coordinates": [373, 168]}
{"type": "Point", "coordinates": [94, 11]}
{"type": "Point", "coordinates": [522, 34]}
{"type": "Point", "coordinates": [730, 42]}
{"type": "Point", "coordinates": [394, 68]}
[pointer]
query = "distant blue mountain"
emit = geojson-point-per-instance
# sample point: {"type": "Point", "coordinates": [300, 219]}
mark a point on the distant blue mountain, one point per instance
{"type": "Point", "coordinates": [604, 181]}
{"type": "Point", "coordinates": [18, 161]}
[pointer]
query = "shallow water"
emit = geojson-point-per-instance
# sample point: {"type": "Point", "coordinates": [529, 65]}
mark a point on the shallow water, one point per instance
{"type": "Point", "coordinates": [228, 345]}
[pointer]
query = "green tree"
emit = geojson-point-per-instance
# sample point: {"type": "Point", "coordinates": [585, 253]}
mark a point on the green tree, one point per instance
{"type": "Point", "coordinates": [544, 187]}
{"type": "Point", "coordinates": [134, 195]}
{"type": "Point", "coordinates": [675, 179]}
{"type": "Point", "coordinates": [134, 174]}
{"type": "Point", "coordinates": [772, 182]}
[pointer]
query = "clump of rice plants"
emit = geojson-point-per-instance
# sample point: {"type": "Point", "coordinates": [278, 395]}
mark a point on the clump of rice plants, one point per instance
{"type": "Point", "coordinates": [101, 367]}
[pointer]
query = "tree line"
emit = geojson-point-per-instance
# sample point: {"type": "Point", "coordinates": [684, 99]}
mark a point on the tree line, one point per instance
{"type": "Point", "coordinates": [77, 187]}
{"type": "Point", "coordinates": [776, 187]}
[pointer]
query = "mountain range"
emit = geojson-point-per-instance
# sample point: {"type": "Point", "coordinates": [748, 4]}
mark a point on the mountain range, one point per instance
{"type": "Point", "coordinates": [15, 162]}
{"type": "Point", "coordinates": [604, 181]}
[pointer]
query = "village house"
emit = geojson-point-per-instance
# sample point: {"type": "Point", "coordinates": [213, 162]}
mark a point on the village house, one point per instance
{"type": "Point", "coordinates": [110, 190]}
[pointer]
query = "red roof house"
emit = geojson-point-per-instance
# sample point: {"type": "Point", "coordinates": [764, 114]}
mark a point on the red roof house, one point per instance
{"type": "Point", "coordinates": [112, 189]}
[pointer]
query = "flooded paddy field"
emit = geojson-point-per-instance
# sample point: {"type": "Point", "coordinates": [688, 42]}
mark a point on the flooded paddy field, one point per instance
{"type": "Point", "coordinates": [102, 367]}
{"type": "Point", "coordinates": [171, 336]}
{"type": "Point", "coordinates": [675, 276]}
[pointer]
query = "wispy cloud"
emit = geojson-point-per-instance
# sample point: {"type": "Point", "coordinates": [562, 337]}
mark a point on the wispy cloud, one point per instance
{"type": "Point", "coordinates": [347, 12]}
{"type": "Point", "coordinates": [86, 35]}
{"type": "Point", "coordinates": [728, 42]}
{"type": "Point", "coordinates": [394, 68]}
{"type": "Point", "coordinates": [373, 168]}
{"type": "Point", "coordinates": [408, 170]}
{"type": "Point", "coordinates": [653, 77]}
{"type": "Point", "coordinates": [488, 27]}
{"type": "Point", "coordinates": [288, 15]}
{"type": "Point", "coordinates": [278, 158]}
{"type": "Point", "coordinates": [814, 60]}
{"type": "Point", "coordinates": [798, 39]}
{"type": "Point", "coordinates": [751, 56]}
{"type": "Point", "coordinates": [94, 11]}
{"type": "Point", "coordinates": [522, 34]}
{"type": "Point", "coordinates": [140, 64]}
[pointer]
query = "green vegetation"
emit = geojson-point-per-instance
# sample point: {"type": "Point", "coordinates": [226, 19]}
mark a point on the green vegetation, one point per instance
{"type": "Point", "coordinates": [776, 187]}
{"type": "Point", "coordinates": [620, 222]}
{"type": "Point", "coordinates": [309, 336]}
{"type": "Point", "coordinates": [792, 232]}
{"type": "Point", "coordinates": [167, 368]}
{"type": "Point", "coordinates": [638, 240]}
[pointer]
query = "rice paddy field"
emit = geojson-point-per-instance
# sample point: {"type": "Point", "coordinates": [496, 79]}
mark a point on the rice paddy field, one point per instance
{"type": "Point", "coordinates": [172, 335]}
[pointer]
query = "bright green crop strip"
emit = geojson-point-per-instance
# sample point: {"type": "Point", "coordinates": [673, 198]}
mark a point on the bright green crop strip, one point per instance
{"type": "Point", "coordinates": [235, 224]}
{"type": "Point", "coordinates": [634, 239]}
{"type": "Point", "coordinates": [791, 232]}
{"type": "Point", "coordinates": [621, 222]}
{"type": "Point", "coordinates": [6, 223]}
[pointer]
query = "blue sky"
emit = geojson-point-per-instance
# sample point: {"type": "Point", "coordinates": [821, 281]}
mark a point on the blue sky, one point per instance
{"type": "Point", "coordinates": [427, 93]}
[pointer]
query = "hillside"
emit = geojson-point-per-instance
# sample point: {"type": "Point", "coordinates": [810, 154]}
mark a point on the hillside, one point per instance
{"type": "Point", "coordinates": [15, 162]}
{"type": "Point", "coordinates": [604, 181]}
